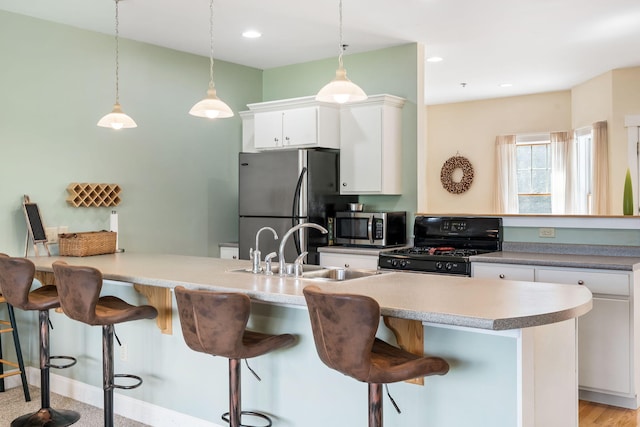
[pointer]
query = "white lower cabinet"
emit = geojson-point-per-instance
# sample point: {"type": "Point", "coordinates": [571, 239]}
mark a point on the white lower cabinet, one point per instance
{"type": "Point", "coordinates": [361, 262]}
{"type": "Point", "coordinates": [606, 335]}
{"type": "Point", "coordinates": [229, 252]}
{"type": "Point", "coordinates": [502, 271]}
{"type": "Point", "coordinates": [604, 346]}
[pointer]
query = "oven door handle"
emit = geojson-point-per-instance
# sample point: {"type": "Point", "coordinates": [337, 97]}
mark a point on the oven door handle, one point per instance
{"type": "Point", "coordinates": [370, 229]}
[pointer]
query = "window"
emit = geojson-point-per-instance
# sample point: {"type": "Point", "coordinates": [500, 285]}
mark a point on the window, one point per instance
{"type": "Point", "coordinates": [553, 173]}
{"type": "Point", "coordinates": [584, 171]}
{"type": "Point", "coordinates": [533, 160]}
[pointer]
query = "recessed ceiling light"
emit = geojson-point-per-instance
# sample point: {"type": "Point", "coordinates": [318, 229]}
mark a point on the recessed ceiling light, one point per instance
{"type": "Point", "coordinates": [434, 59]}
{"type": "Point", "coordinates": [252, 34]}
{"type": "Point", "coordinates": [506, 85]}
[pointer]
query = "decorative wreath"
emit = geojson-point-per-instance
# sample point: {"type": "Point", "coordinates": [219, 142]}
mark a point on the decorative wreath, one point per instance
{"type": "Point", "coordinates": [453, 163]}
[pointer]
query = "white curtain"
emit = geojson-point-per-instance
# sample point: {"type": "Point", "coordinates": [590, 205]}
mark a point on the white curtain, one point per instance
{"type": "Point", "coordinates": [506, 189]}
{"type": "Point", "coordinates": [600, 168]}
{"type": "Point", "coordinates": [562, 173]}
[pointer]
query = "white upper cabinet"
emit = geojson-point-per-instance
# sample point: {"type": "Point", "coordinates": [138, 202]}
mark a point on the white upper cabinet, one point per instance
{"type": "Point", "coordinates": [371, 146]}
{"type": "Point", "coordinates": [293, 123]}
{"type": "Point", "coordinates": [368, 134]}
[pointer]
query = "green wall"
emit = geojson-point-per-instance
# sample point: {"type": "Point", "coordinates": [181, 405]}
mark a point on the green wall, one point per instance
{"type": "Point", "coordinates": [178, 173]}
{"type": "Point", "coordinates": [393, 71]}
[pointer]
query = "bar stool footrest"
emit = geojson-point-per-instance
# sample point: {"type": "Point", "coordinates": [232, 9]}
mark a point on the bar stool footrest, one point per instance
{"type": "Point", "coordinates": [127, 387]}
{"type": "Point", "coordinates": [72, 361]}
{"type": "Point", "coordinates": [225, 417]}
{"type": "Point", "coordinates": [47, 417]}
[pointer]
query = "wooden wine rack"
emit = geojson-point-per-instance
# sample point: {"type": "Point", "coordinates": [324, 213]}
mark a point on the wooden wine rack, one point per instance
{"type": "Point", "coordinates": [93, 195]}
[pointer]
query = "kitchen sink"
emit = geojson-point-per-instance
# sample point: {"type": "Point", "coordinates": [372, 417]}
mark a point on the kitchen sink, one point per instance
{"type": "Point", "coordinates": [338, 274]}
{"type": "Point", "coordinates": [275, 269]}
{"type": "Point", "coordinates": [319, 273]}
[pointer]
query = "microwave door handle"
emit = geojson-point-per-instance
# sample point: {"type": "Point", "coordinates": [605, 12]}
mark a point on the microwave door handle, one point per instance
{"type": "Point", "coordinates": [370, 229]}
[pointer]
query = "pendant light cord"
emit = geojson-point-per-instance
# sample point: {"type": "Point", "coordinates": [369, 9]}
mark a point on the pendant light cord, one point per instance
{"type": "Point", "coordinates": [341, 45]}
{"type": "Point", "coordinates": [211, 85]}
{"type": "Point", "coordinates": [117, 56]}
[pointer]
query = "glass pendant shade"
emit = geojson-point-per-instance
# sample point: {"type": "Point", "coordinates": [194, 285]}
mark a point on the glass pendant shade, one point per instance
{"type": "Point", "coordinates": [116, 119]}
{"type": "Point", "coordinates": [211, 107]}
{"type": "Point", "coordinates": [341, 90]}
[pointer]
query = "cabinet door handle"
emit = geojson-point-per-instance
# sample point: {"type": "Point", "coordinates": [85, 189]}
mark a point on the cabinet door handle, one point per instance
{"type": "Point", "coordinates": [580, 282]}
{"type": "Point", "coordinates": [501, 276]}
{"type": "Point", "coordinates": [344, 184]}
{"type": "Point", "coordinates": [346, 265]}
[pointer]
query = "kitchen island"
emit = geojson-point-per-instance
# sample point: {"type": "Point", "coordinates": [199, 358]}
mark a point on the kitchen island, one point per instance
{"type": "Point", "coordinates": [511, 346]}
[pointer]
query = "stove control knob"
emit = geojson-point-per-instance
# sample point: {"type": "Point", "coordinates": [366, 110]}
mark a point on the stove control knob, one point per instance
{"type": "Point", "coordinates": [394, 262]}
{"type": "Point", "coordinates": [438, 265]}
{"type": "Point", "coordinates": [448, 266]}
{"type": "Point", "coordinates": [403, 263]}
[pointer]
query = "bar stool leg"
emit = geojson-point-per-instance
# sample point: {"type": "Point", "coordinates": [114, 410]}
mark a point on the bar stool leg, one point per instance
{"type": "Point", "coordinates": [46, 416]}
{"type": "Point", "coordinates": [235, 411]}
{"type": "Point", "coordinates": [16, 343]}
{"type": "Point", "coordinates": [1, 368]}
{"type": "Point", "coordinates": [45, 398]}
{"type": "Point", "coordinates": [107, 373]}
{"type": "Point", "coordinates": [375, 405]}
{"type": "Point", "coordinates": [234, 416]}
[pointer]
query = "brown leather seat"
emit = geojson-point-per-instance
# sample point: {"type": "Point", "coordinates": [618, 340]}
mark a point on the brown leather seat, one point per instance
{"type": "Point", "coordinates": [215, 323]}
{"type": "Point", "coordinates": [16, 279]}
{"type": "Point", "coordinates": [344, 330]}
{"type": "Point", "coordinates": [79, 290]}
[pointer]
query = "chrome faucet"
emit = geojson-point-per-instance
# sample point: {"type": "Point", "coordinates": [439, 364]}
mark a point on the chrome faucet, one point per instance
{"type": "Point", "coordinates": [297, 264]}
{"type": "Point", "coordinates": [254, 254]}
{"type": "Point", "coordinates": [281, 262]}
{"type": "Point", "coordinates": [267, 263]}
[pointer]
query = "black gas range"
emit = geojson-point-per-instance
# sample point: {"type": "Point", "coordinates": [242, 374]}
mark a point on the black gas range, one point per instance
{"type": "Point", "coordinates": [444, 244]}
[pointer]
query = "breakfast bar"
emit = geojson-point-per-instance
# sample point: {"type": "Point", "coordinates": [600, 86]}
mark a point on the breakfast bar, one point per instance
{"type": "Point", "coordinates": [511, 345]}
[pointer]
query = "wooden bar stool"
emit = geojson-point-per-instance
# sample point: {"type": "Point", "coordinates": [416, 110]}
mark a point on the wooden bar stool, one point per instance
{"type": "Point", "coordinates": [215, 323]}
{"type": "Point", "coordinates": [79, 288]}
{"type": "Point", "coordinates": [344, 330]}
{"type": "Point", "coordinates": [7, 326]}
{"type": "Point", "coordinates": [16, 278]}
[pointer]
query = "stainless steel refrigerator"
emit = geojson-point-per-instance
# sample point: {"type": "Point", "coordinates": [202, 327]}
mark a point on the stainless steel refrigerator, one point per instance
{"type": "Point", "coordinates": [280, 189]}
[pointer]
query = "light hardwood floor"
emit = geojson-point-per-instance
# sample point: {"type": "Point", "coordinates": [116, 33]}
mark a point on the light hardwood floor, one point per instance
{"type": "Point", "coordinates": [597, 415]}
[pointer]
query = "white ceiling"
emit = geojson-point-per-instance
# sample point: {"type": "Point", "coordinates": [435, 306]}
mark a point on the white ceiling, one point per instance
{"type": "Point", "coordinates": [536, 45]}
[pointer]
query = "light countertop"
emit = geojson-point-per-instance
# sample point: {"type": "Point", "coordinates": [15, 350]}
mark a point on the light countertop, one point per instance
{"type": "Point", "coordinates": [561, 260]}
{"type": "Point", "coordinates": [460, 301]}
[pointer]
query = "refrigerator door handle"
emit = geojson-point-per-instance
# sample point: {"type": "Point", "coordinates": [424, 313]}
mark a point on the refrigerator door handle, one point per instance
{"type": "Point", "coordinates": [295, 209]}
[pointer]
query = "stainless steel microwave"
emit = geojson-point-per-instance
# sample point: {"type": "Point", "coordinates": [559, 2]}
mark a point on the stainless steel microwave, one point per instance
{"type": "Point", "coordinates": [375, 229]}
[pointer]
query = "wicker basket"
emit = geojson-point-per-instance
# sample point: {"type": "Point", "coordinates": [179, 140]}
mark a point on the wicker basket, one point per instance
{"type": "Point", "coordinates": [88, 243]}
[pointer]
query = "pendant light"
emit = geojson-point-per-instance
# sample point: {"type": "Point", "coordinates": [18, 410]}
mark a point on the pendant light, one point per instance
{"type": "Point", "coordinates": [116, 119]}
{"type": "Point", "coordinates": [341, 90]}
{"type": "Point", "coordinates": [211, 107]}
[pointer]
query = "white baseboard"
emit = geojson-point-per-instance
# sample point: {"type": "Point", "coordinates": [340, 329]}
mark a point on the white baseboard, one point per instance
{"type": "Point", "coordinates": [134, 409]}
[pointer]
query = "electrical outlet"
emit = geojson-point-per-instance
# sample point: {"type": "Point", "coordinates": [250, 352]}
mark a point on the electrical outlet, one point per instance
{"type": "Point", "coordinates": [52, 234]}
{"type": "Point", "coordinates": [546, 232]}
{"type": "Point", "coordinates": [124, 352]}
